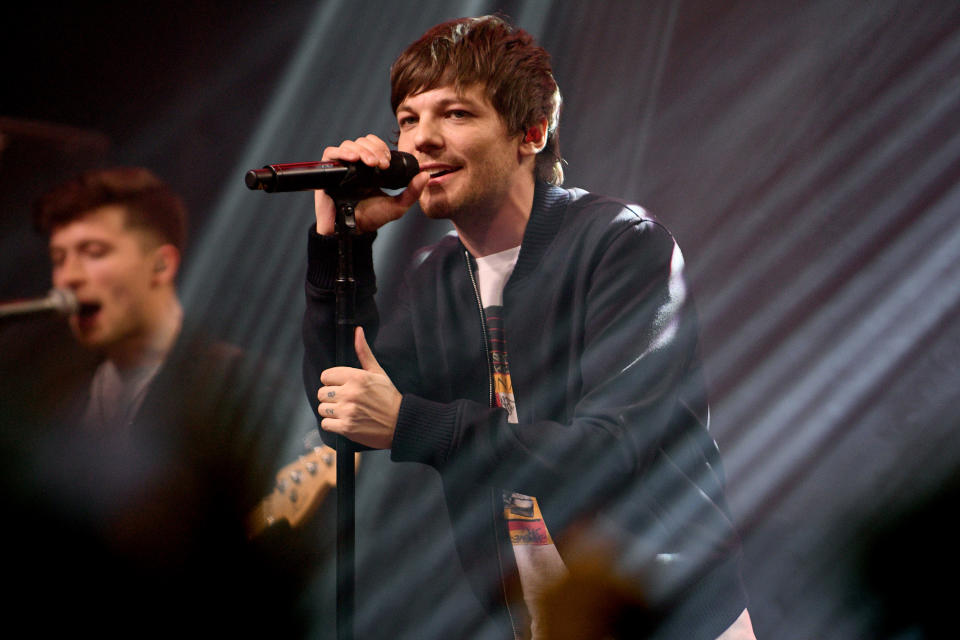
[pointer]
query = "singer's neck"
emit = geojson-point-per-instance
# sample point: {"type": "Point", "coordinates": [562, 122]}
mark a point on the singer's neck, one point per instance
{"type": "Point", "coordinates": [151, 345]}
{"type": "Point", "coordinates": [501, 226]}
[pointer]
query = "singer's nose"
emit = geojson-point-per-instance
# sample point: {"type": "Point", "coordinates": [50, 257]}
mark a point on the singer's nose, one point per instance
{"type": "Point", "coordinates": [427, 136]}
{"type": "Point", "coordinates": [68, 273]}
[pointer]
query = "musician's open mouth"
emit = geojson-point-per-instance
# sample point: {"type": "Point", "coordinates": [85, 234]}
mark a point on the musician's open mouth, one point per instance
{"type": "Point", "coordinates": [88, 310]}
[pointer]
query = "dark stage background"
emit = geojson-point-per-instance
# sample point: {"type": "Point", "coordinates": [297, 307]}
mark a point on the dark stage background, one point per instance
{"type": "Point", "coordinates": [805, 154]}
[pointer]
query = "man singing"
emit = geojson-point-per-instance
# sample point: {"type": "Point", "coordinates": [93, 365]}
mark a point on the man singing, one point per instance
{"type": "Point", "coordinates": [544, 359]}
{"type": "Point", "coordinates": [143, 470]}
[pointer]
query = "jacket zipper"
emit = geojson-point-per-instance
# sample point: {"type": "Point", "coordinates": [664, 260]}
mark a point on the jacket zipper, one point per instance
{"type": "Point", "coordinates": [493, 402]}
{"type": "Point", "coordinates": [483, 328]}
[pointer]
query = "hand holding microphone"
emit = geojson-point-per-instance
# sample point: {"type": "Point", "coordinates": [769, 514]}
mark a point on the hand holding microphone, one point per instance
{"type": "Point", "coordinates": [363, 165]}
{"type": "Point", "coordinates": [332, 175]}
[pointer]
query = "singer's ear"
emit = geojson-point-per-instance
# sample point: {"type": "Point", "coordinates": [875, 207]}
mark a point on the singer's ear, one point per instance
{"type": "Point", "coordinates": [534, 138]}
{"type": "Point", "coordinates": [166, 263]}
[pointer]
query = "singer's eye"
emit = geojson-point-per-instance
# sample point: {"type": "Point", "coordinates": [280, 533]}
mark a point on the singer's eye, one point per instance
{"type": "Point", "coordinates": [95, 249]}
{"type": "Point", "coordinates": [406, 121]}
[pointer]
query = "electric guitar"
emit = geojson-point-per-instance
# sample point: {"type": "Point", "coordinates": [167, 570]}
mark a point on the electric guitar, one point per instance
{"type": "Point", "coordinates": [300, 488]}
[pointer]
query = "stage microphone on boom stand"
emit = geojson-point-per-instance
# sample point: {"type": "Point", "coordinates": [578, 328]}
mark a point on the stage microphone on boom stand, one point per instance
{"type": "Point", "coordinates": [61, 301]}
{"type": "Point", "coordinates": [347, 183]}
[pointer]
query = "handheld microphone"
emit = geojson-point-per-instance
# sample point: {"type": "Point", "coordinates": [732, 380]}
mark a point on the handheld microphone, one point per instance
{"type": "Point", "coordinates": [61, 301]}
{"type": "Point", "coordinates": [334, 176]}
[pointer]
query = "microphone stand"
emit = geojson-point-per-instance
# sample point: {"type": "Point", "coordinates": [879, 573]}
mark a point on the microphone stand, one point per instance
{"type": "Point", "coordinates": [346, 287]}
{"type": "Point", "coordinates": [351, 189]}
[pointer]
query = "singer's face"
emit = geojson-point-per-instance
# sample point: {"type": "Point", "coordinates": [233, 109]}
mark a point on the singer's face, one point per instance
{"type": "Point", "coordinates": [110, 268]}
{"type": "Point", "coordinates": [463, 142]}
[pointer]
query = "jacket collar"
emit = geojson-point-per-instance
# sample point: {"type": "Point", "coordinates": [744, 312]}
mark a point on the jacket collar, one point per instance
{"type": "Point", "coordinates": [549, 205]}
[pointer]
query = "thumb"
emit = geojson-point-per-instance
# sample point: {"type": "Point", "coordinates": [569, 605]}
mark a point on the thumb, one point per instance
{"type": "Point", "coordinates": [367, 361]}
{"type": "Point", "coordinates": [411, 194]}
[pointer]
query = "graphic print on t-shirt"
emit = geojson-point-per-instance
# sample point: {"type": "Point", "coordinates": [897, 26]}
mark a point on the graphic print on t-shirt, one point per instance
{"type": "Point", "coordinates": [521, 512]}
{"type": "Point", "coordinates": [502, 386]}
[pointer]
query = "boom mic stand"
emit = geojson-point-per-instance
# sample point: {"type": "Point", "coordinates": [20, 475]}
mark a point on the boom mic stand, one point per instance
{"type": "Point", "coordinates": [347, 184]}
{"type": "Point", "coordinates": [345, 292]}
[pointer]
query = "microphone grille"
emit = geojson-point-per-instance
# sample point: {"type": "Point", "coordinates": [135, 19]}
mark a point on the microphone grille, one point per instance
{"type": "Point", "coordinates": [63, 301]}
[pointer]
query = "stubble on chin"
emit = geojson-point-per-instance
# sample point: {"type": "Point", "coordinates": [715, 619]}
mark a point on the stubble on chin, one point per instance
{"type": "Point", "coordinates": [456, 205]}
{"type": "Point", "coordinates": [435, 206]}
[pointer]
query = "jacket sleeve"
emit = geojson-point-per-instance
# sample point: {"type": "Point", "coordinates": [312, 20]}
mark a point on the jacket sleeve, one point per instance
{"type": "Point", "coordinates": [320, 316]}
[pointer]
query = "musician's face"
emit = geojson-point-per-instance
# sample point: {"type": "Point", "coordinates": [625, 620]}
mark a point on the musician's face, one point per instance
{"type": "Point", "coordinates": [112, 270]}
{"type": "Point", "coordinates": [461, 139]}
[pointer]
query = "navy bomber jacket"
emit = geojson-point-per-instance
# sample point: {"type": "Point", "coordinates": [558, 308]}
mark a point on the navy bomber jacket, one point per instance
{"type": "Point", "coordinates": [606, 372]}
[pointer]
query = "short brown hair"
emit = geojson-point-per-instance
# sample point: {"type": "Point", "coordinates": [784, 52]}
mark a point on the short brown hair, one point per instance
{"type": "Point", "coordinates": [489, 51]}
{"type": "Point", "coordinates": [150, 204]}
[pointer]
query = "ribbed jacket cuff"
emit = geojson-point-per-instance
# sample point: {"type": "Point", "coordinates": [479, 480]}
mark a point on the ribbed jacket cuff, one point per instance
{"type": "Point", "coordinates": [424, 431]}
{"type": "Point", "coordinates": [322, 259]}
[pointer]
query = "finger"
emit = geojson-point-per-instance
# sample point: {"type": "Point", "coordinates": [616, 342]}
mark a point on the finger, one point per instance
{"type": "Point", "coordinates": [338, 376]}
{"type": "Point", "coordinates": [326, 213]}
{"type": "Point", "coordinates": [376, 142]}
{"type": "Point", "coordinates": [368, 150]}
{"type": "Point", "coordinates": [412, 193]}
{"type": "Point", "coordinates": [340, 152]}
{"type": "Point", "coordinates": [378, 148]}
{"type": "Point", "coordinates": [333, 425]}
{"type": "Point", "coordinates": [374, 212]}
{"type": "Point", "coordinates": [369, 153]}
{"type": "Point", "coordinates": [364, 354]}
{"type": "Point", "coordinates": [346, 151]}
{"type": "Point", "coordinates": [327, 394]}
{"type": "Point", "coordinates": [327, 410]}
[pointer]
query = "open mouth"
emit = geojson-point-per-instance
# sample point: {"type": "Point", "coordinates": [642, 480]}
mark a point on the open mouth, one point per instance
{"type": "Point", "coordinates": [88, 309]}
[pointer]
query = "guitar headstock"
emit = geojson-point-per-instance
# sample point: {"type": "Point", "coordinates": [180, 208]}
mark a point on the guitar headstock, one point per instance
{"type": "Point", "coordinates": [300, 488]}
